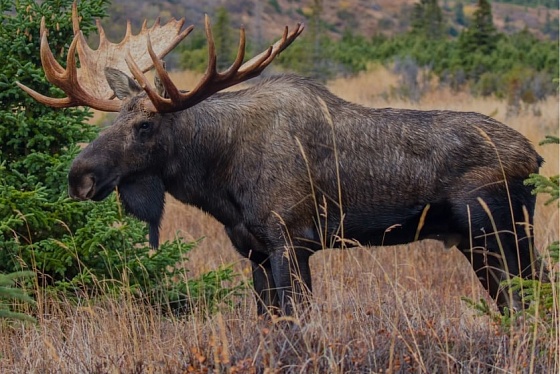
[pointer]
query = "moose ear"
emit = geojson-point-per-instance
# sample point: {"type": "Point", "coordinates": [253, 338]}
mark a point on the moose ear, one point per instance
{"type": "Point", "coordinates": [122, 85]}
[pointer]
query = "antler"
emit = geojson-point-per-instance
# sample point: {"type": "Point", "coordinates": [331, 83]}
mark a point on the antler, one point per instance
{"type": "Point", "coordinates": [87, 85]}
{"type": "Point", "coordinates": [212, 81]}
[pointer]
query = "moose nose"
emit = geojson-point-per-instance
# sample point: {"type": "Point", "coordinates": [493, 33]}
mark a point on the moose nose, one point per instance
{"type": "Point", "coordinates": [82, 187]}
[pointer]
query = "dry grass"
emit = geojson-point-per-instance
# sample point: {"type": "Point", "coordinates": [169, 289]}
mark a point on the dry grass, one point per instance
{"type": "Point", "coordinates": [392, 309]}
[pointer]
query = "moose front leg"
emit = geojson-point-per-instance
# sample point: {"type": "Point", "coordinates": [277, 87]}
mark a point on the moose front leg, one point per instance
{"type": "Point", "coordinates": [265, 288]}
{"type": "Point", "coordinates": [263, 281]}
{"type": "Point", "coordinates": [292, 276]}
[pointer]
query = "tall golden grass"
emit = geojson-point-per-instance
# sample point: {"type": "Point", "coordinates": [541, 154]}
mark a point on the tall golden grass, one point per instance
{"type": "Point", "coordinates": [395, 309]}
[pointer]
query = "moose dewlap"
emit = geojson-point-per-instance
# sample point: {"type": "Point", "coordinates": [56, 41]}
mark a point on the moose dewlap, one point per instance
{"type": "Point", "coordinates": [289, 169]}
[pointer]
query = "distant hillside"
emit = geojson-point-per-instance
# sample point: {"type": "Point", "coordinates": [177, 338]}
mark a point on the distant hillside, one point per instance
{"type": "Point", "coordinates": [266, 19]}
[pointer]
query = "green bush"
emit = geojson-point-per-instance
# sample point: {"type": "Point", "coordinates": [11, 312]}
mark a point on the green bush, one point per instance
{"type": "Point", "coordinates": [10, 292]}
{"type": "Point", "coordinates": [72, 246]}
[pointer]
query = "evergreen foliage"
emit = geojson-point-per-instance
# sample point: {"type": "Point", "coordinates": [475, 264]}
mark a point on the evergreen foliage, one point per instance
{"type": "Point", "coordinates": [223, 38]}
{"type": "Point", "coordinates": [543, 185]}
{"type": "Point", "coordinates": [544, 296]}
{"type": "Point", "coordinates": [73, 246]}
{"type": "Point", "coordinates": [427, 19]}
{"type": "Point", "coordinates": [459, 13]}
{"type": "Point", "coordinates": [481, 36]}
{"type": "Point", "coordinates": [10, 292]}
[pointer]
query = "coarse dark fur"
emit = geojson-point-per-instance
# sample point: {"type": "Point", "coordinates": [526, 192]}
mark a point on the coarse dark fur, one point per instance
{"type": "Point", "coordinates": [289, 168]}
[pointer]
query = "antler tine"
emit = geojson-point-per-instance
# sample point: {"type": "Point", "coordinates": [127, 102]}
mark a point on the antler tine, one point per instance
{"type": "Point", "coordinates": [141, 78]}
{"type": "Point", "coordinates": [176, 98]}
{"type": "Point", "coordinates": [76, 18]}
{"type": "Point", "coordinates": [169, 86]}
{"type": "Point", "coordinates": [51, 66]}
{"type": "Point", "coordinates": [50, 101]}
{"type": "Point", "coordinates": [128, 32]}
{"type": "Point", "coordinates": [101, 32]}
{"type": "Point", "coordinates": [258, 63]}
{"type": "Point", "coordinates": [211, 69]}
{"type": "Point", "coordinates": [158, 102]}
{"type": "Point", "coordinates": [53, 71]}
{"type": "Point", "coordinates": [71, 73]}
{"type": "Point", "coordinates": [212, 81]}
{"type": "Point", "coordinates": [65, 79]}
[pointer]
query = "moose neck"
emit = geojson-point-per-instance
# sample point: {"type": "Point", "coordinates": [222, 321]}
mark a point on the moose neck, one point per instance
{"type": "Point", "coordinates": [208, 139]}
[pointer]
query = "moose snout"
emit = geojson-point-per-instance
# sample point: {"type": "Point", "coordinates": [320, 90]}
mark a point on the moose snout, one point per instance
{"type": "Point", "coordinates": [89, 180]}
{"type": "Point", "coordinates": [81, 187]}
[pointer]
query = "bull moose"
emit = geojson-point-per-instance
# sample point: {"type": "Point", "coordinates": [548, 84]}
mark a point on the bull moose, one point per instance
{"type": "Point", "coordinates": [289, 168]}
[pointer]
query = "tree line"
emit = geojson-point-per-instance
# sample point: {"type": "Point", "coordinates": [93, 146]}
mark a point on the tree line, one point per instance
{"type": "Point", "coordinates": [518, 67]}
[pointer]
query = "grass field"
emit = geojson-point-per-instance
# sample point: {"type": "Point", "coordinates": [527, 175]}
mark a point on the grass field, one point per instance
{"type": "Point", "coordinates": [395, 309]}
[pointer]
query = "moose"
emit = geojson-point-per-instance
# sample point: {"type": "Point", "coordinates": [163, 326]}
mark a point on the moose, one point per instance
{"type": "Point", "coordinates": [289, 168]}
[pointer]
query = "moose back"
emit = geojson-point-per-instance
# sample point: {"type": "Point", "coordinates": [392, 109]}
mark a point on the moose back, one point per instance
{"type": "Point", "coordinates": [289, 168]}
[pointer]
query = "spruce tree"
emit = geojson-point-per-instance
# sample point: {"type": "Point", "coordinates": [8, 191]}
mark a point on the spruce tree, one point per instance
{"type": "Point", "coordinates": [427, 19]}
{"type": "Point", "coordinates": [37, 142]}
{"type": "Point", "coordinates": [481, 35]}
{"type": "Point", "coordinates": [223, 38]}
{"type": "Point", "coordinates": [459, 13]}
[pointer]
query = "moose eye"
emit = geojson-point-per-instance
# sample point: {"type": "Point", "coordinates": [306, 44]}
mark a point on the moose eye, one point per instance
{"type": "Point", "coordinates": [144, 131]}
{"type": "Point", "coordinates": [145, 126]}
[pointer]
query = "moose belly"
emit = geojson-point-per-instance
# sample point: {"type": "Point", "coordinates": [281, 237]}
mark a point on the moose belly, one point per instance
{"type": "Point", "coordinates": [385, 226]}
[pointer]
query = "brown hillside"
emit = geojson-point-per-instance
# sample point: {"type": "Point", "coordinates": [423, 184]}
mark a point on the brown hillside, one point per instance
{"type": "Point", "coordinates": [267, 18]}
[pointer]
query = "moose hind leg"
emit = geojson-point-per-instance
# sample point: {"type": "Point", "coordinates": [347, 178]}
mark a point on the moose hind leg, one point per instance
{"type": "Point", "coordinates": [488, 264]}
{"type": "Point", "coordinates": [499, 243]}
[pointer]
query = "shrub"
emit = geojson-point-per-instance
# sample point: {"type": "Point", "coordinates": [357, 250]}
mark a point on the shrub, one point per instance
{"type": "Point", "coordinates": [9, 292]}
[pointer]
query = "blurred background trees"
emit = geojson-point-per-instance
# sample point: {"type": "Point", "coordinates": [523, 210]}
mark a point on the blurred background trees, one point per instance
{"type": "Point", "coordinates": [463, 49]}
